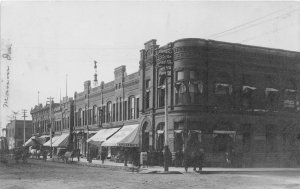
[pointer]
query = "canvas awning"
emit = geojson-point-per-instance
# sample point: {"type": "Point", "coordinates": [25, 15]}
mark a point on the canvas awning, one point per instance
{"type": "Point", "coordinates": [43, 139]}
{"type": "Point", "coordinates": [30, 142]}
{"type": "Point", "coordinates": [62, 141]}
{"type": "Point", "coordinates": [53, 140]}
{"type": "Point", "coordinates": [102, 135]}
{"type": "Point", "coordinates": [127, 136]}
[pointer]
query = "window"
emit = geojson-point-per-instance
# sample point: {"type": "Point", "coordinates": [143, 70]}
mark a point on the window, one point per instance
{"type": "Point", "coordinates": [80, 113]}
{"type": "Point", "coordinates": [298, 136]}
{"type": "Point", "coordinates": [94, 114]}
{"type": "Point", "coordinates": [161, 91]}
{"type": "Point", "coordinates": [116, 86]}
{"type": "Point", "coordinates": [194, 75]}
{"type": "Point", "coordinates": [121, 112]}
{"type": "Point", "coordinates": [147, 85]}
{"type": "Point", "coordinates": [180, 75]}
{"type": "Point", "coordinates": [147, 99]}
{"type": "Point", "coordinates": [117, 110]}
{"type": "Point", "coordinates": [137, 107]}
{"type": "Point", "coordinates": [119, 85]}
{"type": "Point", "coordinates": [195, 89]}
{"type": "Point", "coordinates": [272, 96]}
{"type": "Point", "coordinates": [125, 110]}
{"type": "Point", "coordinates": [131, 107]}
{"type": "Point", "coordinates": [114, 113]}
{"type": "Point", "coordinates": [104, 114]}
{"type": "Point", "coordinates": [223, 89]}
{"type": "Point", "coordinates": [247, 92]}
{"type": "Point", "coordinates": [100, 119]}
{"type": "Point", "coordinates": [109, 112]}
{"type": "Point", "coordinates": [290, 95]}
{"type": "Point", "coordinates": [223, 84]}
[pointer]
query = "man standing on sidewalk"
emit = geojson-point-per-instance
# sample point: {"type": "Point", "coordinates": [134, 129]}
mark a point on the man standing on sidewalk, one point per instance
{"type": "Point", "coordinates": [103, 155]}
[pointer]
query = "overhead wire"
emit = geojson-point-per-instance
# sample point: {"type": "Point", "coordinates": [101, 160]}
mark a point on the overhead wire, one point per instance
{"type": "Point", "coordinates": [246, 25]}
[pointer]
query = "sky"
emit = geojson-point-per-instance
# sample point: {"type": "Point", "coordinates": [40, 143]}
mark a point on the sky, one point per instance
{"type": "Point", "coordinates": [52, 39]}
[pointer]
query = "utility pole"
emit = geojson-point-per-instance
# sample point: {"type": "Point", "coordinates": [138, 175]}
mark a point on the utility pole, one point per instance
{"type": "Point", "coordinates": [166, 64]}
{"type": "Point", "coordinates": [50, 99]}
{"type": "Point", "coordinates": [24, 116]}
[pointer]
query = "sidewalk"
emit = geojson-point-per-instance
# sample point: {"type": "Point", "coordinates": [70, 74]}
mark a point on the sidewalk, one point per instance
{"type": "Point", "coordinates": [178, 170]}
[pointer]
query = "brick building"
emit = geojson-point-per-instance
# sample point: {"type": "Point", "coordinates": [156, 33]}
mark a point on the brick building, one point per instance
{"type": "Point", "coordinates": [110, 105]}
{"type": "Point", "coordinates": [62, 120]}
{"type": "Point", "coordinates": [15, 132]}
{"type": "Point", "coordinates": [225, 97]}
{"type": "Point", "coordinates": [229, 97]}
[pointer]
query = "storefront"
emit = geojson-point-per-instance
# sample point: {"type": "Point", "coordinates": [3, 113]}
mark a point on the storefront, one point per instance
{"type": "Point", "coordinates": [124, 144]}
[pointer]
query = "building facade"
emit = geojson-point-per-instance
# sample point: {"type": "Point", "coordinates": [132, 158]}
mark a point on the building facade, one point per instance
{"type": "Point", "coordinates": [62, 119]}
{"type": "Point", "coordinates": [15, 132]}
{"type": "Point", "coordinates": [228, 98]}
{"type": "Point", "coordinates": [112, 104]}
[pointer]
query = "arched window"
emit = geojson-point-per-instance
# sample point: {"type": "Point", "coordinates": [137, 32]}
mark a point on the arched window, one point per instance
{"type": "Point", "coordinates": [109, 112]}
{"type": "Point", "coordinates": [131, 107]}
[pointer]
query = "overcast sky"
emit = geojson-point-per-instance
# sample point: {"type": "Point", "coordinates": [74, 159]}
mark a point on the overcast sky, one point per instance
{"type": "Point", "coordinates": [52, 39]}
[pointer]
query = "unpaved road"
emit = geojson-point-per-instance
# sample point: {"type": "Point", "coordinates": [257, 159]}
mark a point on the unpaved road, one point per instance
{"type": "Point", "coordinates": [44, 175]}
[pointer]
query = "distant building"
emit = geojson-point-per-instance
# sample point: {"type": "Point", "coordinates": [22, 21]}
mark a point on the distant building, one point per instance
{"type": "Point", "coordinates": [15, 132]}
{"type": "Point", "coordinates": [62, 119]}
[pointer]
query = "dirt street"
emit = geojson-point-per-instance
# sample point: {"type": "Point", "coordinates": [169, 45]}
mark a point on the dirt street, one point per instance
{"type": "Point", "coordinates": [43, 175]}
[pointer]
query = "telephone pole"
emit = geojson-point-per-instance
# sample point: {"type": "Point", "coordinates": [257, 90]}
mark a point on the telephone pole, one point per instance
{"type": "Point", "coordinates": [24, 116]}
{"type": "Point", "coordinates": [50, 99]}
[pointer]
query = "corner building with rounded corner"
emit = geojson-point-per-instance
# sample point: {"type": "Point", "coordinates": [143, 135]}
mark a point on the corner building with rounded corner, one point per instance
{"type": "Point", "coordinates": [229, 97]}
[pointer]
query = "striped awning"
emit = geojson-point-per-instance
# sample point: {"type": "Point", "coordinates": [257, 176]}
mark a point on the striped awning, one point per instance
{"type": "Point", "coordinates": [102, 135]}
{"type": "Point", "coordinates": [53, 140]}
{"type": "Point", "coordinates": [31, 141]}
{"type": "Point", "coordinates": [127, 136]}
{"type": "Point", "coordinates": [62, 141]}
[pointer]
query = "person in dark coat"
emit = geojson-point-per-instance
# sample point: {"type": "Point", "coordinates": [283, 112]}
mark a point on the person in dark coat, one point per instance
{"type": "Point", "coordinates": [103, 155]}
{"type": "Point", "coordinates": [44, 154]}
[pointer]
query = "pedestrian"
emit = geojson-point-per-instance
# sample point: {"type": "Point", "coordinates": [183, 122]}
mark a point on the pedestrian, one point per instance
{"type": "Point", "coordinates": [103, 155]}
{"type": "Point", "coordinates": [126, 153]}
{"type": "Point", "coordinates": [44, 153]}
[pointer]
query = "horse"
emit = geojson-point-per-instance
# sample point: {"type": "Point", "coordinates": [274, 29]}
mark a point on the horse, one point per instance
{"type": "Point", "coordinates": [36, 153]}
{"type": "Point", "coordinates": [71, 154]}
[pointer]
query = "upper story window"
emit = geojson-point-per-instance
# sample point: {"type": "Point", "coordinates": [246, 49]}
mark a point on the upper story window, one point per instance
{"type": "Point", "coordinates": [180, 75]}
{"type": "Point", "coordinates": [131, 107]}
{"type": "Point", "coordinates": [94, 114]}
{"type": "Point", "coordinates": [79, 117]}
{"type": "Point", "coordinates": [290, 95]}
{"type": "Point", "coordinates": [147, 84]}
{"type": "Point", "coordinates": [147, 99]}
{"type": "Point", "coordinates": [109, 112]}
{"type": "Point", "coordinates": [247, 91]}
{"type": "Point", "coordinates": [272, 92]}
{"type": "Point", "coordinates": [223, 84]}
{"type": "Point", "coordinates": [194, 75]}
{"type": "Point", "coordinates": [195, 86]}
{"type": "Point", "coordinates": [161, 90]}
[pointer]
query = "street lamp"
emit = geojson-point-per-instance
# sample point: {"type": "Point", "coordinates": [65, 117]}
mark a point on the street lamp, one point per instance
{"type": "Point", "coordinates": [167, 64]}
